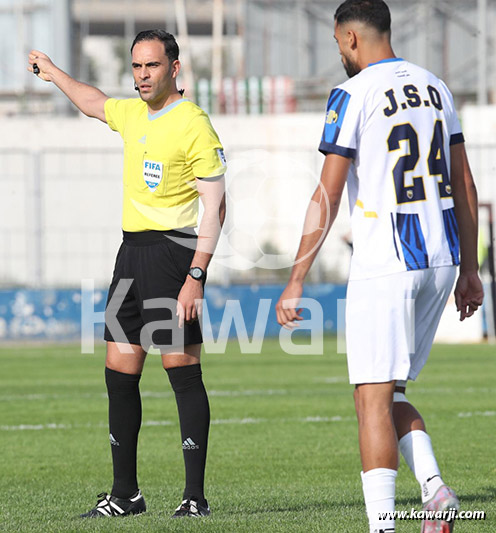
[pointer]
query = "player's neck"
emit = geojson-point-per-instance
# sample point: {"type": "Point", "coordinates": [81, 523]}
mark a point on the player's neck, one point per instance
{"type": "Point", "coordinates": [376, 55]}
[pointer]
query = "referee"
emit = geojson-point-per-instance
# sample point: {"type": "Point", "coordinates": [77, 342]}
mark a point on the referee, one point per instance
{"type": "Point", "coordinates": [172, 157]}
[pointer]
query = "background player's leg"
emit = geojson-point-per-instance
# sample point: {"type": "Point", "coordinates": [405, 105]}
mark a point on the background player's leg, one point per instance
{"type": "Point", "coordinates": [185, 376]}
{"type": "Point", "coordinates": [415, 445]}
{"type": "Point", "coordinates": [414, 442]}
{"type": "Point", "coordinates": [122, 376]}
{"type": "Point", "coordinates": [378, 451]}
{"type": "Point", "coordinates": [406, 417]}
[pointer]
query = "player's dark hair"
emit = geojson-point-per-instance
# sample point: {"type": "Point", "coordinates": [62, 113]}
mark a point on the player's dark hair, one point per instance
{"type": "Point", "coordinates": [375, 13]}
{"type": "Point", "coordinates": [170, 44]}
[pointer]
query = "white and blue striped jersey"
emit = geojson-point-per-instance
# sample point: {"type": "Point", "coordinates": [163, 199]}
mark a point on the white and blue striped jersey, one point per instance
{"type": "Point", "coordinates": [396, 121]}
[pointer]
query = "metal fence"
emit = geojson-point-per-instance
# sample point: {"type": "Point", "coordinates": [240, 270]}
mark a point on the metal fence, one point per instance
{"type": "Point", "coordinates": [57, 215]}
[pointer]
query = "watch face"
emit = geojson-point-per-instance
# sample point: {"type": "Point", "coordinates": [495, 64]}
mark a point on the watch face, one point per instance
{"type": "Point", "coordinates": [196, 272]}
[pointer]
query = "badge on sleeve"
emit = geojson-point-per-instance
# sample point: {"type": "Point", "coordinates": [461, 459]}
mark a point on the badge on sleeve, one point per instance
{"type": "Point", "coordinates": [152, 173]}
{"type": "Point", "coordinates": [221, 155]}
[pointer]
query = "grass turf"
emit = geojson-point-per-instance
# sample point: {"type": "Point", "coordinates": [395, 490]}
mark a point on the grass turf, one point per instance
{"type": "Point", "coordinates": [283, 452]}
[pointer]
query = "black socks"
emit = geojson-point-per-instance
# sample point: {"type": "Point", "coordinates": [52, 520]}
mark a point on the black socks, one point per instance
{"type": "Point", "coordinates": [124, 425]}
{"type": "Point", "coordinates": [194, 418]}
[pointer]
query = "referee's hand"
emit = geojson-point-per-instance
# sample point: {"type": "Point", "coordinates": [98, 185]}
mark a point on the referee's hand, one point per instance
{"type": "Point", "coordinates": [288, 314]}
{"type": "Point", "coordinates": [189, 301]}
{"type": "Point", "coordinates": [43, 64]}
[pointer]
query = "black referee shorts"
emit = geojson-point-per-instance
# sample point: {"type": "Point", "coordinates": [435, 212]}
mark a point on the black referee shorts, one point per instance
{"type": "Point", "coordinates": [150, 270]}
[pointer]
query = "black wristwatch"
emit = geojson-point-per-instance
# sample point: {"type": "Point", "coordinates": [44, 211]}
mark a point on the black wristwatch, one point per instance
{"type": "Point", "coordinates": [197, 273]}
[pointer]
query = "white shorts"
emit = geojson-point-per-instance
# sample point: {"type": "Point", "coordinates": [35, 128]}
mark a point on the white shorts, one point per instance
{"type": "Point", "coordinates": [391, 322]}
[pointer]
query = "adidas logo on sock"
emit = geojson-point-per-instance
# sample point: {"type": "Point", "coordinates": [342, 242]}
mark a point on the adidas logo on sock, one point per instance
{"type": "Point", "coordinates": [189, 444]}
{"type": "Point", "coordinates": [113, 441]}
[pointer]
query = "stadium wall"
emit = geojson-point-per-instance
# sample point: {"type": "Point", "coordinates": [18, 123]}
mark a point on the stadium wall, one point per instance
{"type": "Point", "coordinates": [61, 190]}
{"type": "Point", "coordinates": [60, 197]}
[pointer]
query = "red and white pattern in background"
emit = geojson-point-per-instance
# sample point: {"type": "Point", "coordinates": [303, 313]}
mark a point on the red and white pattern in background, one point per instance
{"type": "Point", "coordinates": [251, 96]}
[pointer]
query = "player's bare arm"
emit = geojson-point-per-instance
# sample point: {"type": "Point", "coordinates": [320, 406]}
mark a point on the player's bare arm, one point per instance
{"type": "Point", "coordinates": [212, 195]}
{"type": "Point", "coordinates": [468, 291]}
{"type": "Point", "coordinates": [88, 99]}
{"type": "Point", "coordinates": [321, 213]}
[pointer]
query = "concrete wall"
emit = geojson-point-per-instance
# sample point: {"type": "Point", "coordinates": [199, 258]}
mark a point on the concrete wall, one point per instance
{"type": "Point", "coordinates": [60, 199]}
{"type": "Point", "coordinates": [60, 196]}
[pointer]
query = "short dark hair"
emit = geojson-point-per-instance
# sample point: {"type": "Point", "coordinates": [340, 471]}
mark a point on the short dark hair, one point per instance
{"type": "Point", "coordinates": [375, 13]}
{"type": "Point", "coordinates": [170, 44]}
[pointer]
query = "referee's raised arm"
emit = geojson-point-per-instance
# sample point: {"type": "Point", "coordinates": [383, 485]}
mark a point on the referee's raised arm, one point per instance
{"type": "Point", "coordinates": [88, 99]}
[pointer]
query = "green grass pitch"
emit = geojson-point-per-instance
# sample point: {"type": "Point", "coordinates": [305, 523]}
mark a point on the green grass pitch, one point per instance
{"type": "Point", "coordinates": [283, 453]}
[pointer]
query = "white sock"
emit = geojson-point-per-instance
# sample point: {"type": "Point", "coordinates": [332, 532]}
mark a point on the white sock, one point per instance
{"type": "Point", "coordinates": [416, 448]}
{"type": "Point", "coordinates": [378, 490]}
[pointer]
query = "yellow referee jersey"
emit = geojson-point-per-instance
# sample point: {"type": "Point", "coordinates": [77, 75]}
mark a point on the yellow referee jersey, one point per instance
{"type": "Point", "coordinates": [163, 154]}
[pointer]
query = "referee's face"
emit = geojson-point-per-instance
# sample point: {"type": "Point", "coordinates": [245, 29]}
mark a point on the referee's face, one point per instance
{"type": "Point", "coordinates": [154, 74]}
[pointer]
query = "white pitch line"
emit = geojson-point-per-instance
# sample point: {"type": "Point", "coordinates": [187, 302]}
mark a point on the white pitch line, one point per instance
{"type": "Point", "coordinates": [235, 393]}
{"type": "Point", "coordinates": [476, 413]}
{"type": "Point", "coordinates": [42, 397]}
{"type": "Point", "coordinates": [149, 394]}
{"type": "Point", "coordinates": [238, 421]}
{"type": "Point", "coordinates": [219, 421]}
{"type": "Point", "coordinates": [154, 423]}
{"type": "Point", "coordinates": [229, 393]}
{"type": "Point", "coordinates": [263, 392]}
{"type": "Point", "coordinates": [451, 390]}
{"type": "Point", "coordinates": [35, 427]}
{"type": "Point", "coordinates": [328, 419]}
{"type": "Point", "coordinates": [39, 427]}
{"type": "Point", "coordinates": [331, 380]}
